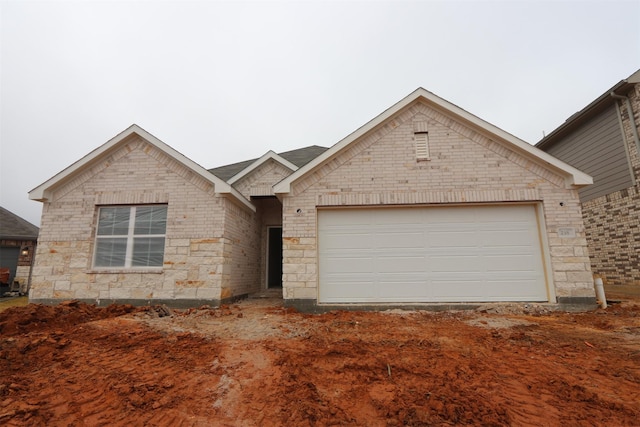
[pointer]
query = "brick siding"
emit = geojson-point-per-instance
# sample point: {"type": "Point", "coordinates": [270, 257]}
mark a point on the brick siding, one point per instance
{"type": "Point", "coordinates": [197, 252]}
{"type": "Point", "coordinates": [466, 166]}
{"type": "Point", "coordinates": [259, 182]}
{"type": "Point", "coordinates": [613, 221]}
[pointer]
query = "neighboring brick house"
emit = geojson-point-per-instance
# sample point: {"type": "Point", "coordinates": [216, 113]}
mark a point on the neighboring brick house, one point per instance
{"type": "Point", "coordinates": [18, 239]}
{"type": "Point", "coordinates": [602, 140]}
{"type": "Point", "coordinates": [425, 204]}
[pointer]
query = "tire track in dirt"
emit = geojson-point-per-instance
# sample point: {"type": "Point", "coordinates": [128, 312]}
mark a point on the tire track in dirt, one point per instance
{"type": "Point", "coordinates": [257, 365]}
{"type": "Point", "coordinates": [559, 368]}
{"type": "Point", "coordinates": [474, 377]}
{"type": "Point", "coordinates": [124, 369]}
{"type": "Point", "coordinates": [139, 374]}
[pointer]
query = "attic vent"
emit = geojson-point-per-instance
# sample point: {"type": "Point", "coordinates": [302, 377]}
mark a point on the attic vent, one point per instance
{"type": "Point", "coordinates": [421, 136]}
{"type": "Point", "coordinates": [422, 145]}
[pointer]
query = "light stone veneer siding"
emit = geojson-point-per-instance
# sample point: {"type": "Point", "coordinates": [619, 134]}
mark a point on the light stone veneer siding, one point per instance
{"type": "Point", "coordinates": [466, 166]}
{"type": "Point", "coordinates": [244, 269]}
{"type": "Point", "coordinates": [613, 221]}
{"type": "Point", "coordinates": [200, 261]}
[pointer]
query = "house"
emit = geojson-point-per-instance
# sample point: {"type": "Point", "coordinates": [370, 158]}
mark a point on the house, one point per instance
{"type": "Point", "coordinates": [18, 239]}
{"type": "Point", "coordinates": [424, 204]}
{"type": "Point", "coordinates": [602, 140]}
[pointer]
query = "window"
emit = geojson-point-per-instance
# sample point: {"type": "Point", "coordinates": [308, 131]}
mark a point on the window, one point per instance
{"type": "Point", "coordinates": [131, 236]}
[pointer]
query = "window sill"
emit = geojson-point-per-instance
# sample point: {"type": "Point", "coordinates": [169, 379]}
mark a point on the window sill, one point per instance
{"type": "Point", "coordinates": [157, 270]}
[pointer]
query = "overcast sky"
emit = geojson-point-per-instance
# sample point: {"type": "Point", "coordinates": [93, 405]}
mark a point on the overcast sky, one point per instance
{"type": "Point", "coordinates": [223, 82]}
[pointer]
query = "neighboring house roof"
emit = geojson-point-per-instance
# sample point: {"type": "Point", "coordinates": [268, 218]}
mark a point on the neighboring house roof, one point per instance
{"type": "Point", "coordinates": [602, 102]}
{"type": "Point", "coordinates": [41, 193]}
{"type": "Point", "coordinates": [573, 175]}
{"type": "Point", "coordinates": [12, 227]}
{"type": "Point", "coordinates": [298, 157]}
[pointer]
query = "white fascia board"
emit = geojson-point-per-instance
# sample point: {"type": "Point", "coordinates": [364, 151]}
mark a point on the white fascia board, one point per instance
{"type": "Point", "coordinates": [269, 155]}
{"type": "Point", "coordinates": [574, 176]}
{"type": "Point", "coordinates": [284, 186]}
{"type": "Point", "coordinates": [221, 186]}
{"type": "Point", "coordinates": [40, 193]}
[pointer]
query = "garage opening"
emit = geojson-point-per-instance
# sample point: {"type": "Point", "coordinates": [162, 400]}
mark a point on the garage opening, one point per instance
{"type": "Point", "coordinates": [476, 253]}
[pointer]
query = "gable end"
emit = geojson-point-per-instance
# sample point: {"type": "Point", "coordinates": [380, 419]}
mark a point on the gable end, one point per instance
{"type": "Point", "coordinates": [387, 121]}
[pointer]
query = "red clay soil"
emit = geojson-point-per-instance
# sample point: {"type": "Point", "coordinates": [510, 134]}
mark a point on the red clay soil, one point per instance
{"type": "Point", "coordinates": [258, 364]}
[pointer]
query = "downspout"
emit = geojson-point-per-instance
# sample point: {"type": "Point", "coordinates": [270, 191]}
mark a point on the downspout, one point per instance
{"type": "Point", "coordinates": [634, 128]}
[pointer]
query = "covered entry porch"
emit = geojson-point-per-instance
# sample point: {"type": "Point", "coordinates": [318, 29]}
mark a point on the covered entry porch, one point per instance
{"type": "Point", "coordinates": [269, 218]}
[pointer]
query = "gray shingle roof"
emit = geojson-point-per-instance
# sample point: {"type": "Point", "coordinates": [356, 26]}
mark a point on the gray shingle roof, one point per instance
{"type": "Point", "coordinates": [299, 157]}
{"type": "Point", "coordinates": [302, 156]}
{"type": "Point", "coordinates": [227, 171]}
{"type": "Point", "coordinates": [12, 227]}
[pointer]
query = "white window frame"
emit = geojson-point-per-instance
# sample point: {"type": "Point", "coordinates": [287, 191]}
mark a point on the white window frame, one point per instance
{"type": "Point", "coordinates": [130, 238]}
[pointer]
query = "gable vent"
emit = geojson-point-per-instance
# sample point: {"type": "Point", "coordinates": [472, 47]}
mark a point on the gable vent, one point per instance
{"type": "Point", "coordinates": [421, 137]}
{"type": "Point", "coordinates": [422, 145]}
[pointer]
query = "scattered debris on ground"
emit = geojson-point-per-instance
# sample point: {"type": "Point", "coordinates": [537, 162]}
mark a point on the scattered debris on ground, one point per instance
{"type": "Point", "coordinates": [256, 363]}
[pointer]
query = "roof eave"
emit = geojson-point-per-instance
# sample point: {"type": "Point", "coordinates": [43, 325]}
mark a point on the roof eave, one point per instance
{"type": "Point", "coordinates": [284, 186]}
{"type": "Point", "coordinates": [42, 192]}
{"type": "Point", "coordinates": [236, 195]}
{"type": "Point", "coordinates": [597, 105]}
{"type": "Point", "coordinates": [574, 176]}
{"type": "Point", "coordinates": [269, 155]}
{"type": "Point", "coordinates": [10, 237]}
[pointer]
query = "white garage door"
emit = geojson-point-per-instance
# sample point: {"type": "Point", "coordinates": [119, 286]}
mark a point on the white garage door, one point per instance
{"type": "Point", "coordinates": [430, 254]}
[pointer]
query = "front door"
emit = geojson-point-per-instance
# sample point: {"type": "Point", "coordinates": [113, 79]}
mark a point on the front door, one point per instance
{"type": "Point", "coordinates": [274, 257]}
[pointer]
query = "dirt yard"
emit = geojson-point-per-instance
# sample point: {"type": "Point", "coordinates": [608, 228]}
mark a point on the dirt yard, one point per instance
{"type": "Point", "coordinates": [258, 364]}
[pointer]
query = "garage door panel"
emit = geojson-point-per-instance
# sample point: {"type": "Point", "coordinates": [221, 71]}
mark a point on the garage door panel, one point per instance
{"type": "Point", "coordinates": [447, 290]}
{"type": "Point", "coordinates": [406, 277]}
{"type": "Point", "coordinates": [348, 219]}
{"type": "Point", "coordinates": [405, 292]}
{"type": "Point", "coordinates": [509, 250]}
{"type": "Point", "coordinates": [389, 217]}
{"type": "Point", "coordinates": [520, 263]}
{"type": "Point", "coordinates": [478, 290]}
{"type": "Point", "coordinates": [402, 240]}
{"type": "Point", "coordinates": [507, 291]}
{"type": "Point", "coordinates": [454, 263]}
{"type": "Point", "coordinates": [348, 240]}
{"type": "Point", "coordinates": [350, 279]}
{"type": "Point", "coordinates": [351, 264]}
{"type": "Point", "coordinates": [352, 293]}
{"type": "Point", "coordinates": [453, 216]}
{"type": "Point", "coordinates": [453, 239]}
{"type": "Point", "coordinates": [505, 238]}
{"type": "Point", "coordinates": [405, 264]}
{"type": "Point", "coordinates": [440, 254]}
